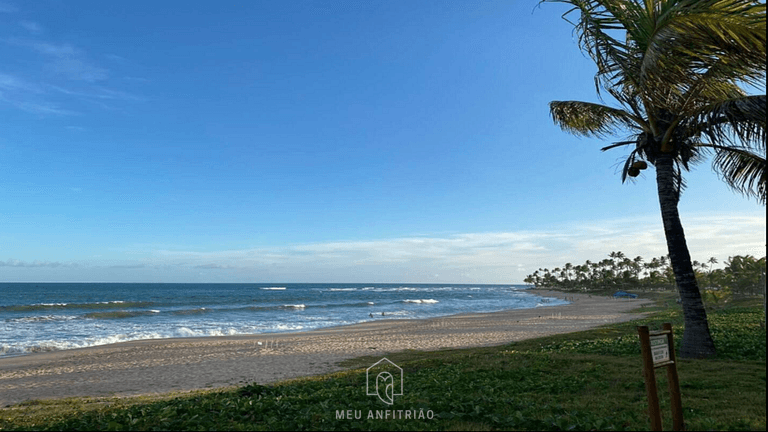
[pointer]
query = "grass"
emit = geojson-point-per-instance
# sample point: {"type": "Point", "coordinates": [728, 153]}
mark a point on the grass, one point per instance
{"type": "Point", "coordinates": [579, 381]}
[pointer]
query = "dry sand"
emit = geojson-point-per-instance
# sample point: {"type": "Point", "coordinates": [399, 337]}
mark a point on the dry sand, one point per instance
{"type": "Point", "coordinates": [164, 365]}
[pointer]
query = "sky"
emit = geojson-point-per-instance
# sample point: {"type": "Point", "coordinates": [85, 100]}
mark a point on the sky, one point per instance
{"type": "Point", "coordinates": [316, 141]}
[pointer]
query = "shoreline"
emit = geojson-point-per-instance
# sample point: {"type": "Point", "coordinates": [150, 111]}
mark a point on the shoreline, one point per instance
{"type": "Point", "coordinates": [182, 364]}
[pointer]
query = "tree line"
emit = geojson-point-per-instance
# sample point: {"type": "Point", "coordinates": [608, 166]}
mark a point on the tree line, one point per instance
{"type": "Point", "coordinates": [742, 275]}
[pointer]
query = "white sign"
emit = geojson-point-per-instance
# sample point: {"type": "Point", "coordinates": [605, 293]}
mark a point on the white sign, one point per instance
{"type": "Point", "coordinates": [660, 348]}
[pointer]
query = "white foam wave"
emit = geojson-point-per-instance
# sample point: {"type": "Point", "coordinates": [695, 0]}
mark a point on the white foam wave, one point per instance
{"type": "Point", "coordinates": [288, 327]}
{"type": "Point", "coordinates": [296, 306]}
{"type": "Point", "coordinates": [429, 301]}
{"type": "Point", "coordinates": [398, 313]}
{"type": "Point", "coordinates": [42, 318]}
{"type": "Point", "coordinates": [273, 288]}
{"type": "Point", "coordinates": [343, 289]}
{"type": "Point", "coordinates": [54, 345]}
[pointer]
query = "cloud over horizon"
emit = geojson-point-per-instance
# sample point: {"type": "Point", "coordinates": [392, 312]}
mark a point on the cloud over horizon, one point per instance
{"type": "Point", "coordinates": [496, 257]}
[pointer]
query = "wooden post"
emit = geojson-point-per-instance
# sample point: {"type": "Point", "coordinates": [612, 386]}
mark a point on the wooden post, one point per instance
{"type": "Point", "coordinates": [674, 383]}
{"type": "Point", "coordinates": [661, 354]}
{"type": "Point", "coordinates": [650, 378]}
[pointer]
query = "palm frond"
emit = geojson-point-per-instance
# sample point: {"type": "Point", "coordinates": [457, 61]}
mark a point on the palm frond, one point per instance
{"type": "Point", "coordinates": [742, 118]}
{"type": "Point", "coordinates": [742, 170]}
{"type": "Point", "coordinates": [591, 119]}
{"type": "Point", "coordinates": [693, 35]}
{"type": "Point", "coordinates": [678, 181]}
{"type": "Point", "coordinates": [597, 26]}
{"type": "Point", "coordinates": [627, 164]}
{"type": "Point", "coordinates": [708, 87]}
{"type": "Point", "coordinates": [619, 144]}
{"type": "Point", "coordinates": [678, 68]}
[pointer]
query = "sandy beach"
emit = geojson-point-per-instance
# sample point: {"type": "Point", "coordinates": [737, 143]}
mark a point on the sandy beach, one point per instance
{"type": "Point", "coordinates": [164, 365]}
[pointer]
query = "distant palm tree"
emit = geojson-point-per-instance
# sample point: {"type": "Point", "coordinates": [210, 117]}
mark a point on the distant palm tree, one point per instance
{"type": "Point", "coordinates": [712, 261]}
{"type": "Point", "coordinates": [677, 68]}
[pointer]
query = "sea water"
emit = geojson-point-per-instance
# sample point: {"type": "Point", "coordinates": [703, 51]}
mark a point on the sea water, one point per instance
{"type": "Point", "coordinates": [38, 317]}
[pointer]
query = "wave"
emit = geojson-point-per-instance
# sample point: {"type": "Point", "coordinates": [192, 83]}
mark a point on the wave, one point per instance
{"type": "Point", "coordinates": [347, 305]}
{"type": "Point", "coordinates": [423, 301]}
{"type": "Point", "coordinates": [275, 307]}
{"type": "Point", "coordinates": [190, 311]}
{"type": "Point", "coordinates": [273, 288]}
{"type": "Point", "coordinates": [398, 313]}
{"type": "Point", "coordinates": [29, 347]}
{"type": "Point", "coordinates": [42, 318]}
{"type": "Point", "coordinates": [117, 314]}
{"type": "Point", "coordinates": [117, 304]}
{"type": "Point", "coordinates": [355, 304]}
{"type": "Point", "coordinates": [188, 332]}
{"type": "Point", "coordinates": [342, 289]}
{"type": "Point", "coordinates": [54, 345]}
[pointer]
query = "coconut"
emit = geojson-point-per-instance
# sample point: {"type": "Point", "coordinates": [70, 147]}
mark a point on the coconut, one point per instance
{"type": "Point", "coordinates": [641, 165]}
{"type": "Point", "coordinates": [633, 172]}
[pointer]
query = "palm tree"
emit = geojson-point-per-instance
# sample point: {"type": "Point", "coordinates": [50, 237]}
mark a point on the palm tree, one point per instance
{"type": "Point", "coordinates": [712, 261]}
{"type": "Point", "coordinates": [677, 68]}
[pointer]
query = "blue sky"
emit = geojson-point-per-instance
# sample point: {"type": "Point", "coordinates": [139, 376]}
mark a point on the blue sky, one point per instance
{"type": "Point", "coordinates": [313, 141]}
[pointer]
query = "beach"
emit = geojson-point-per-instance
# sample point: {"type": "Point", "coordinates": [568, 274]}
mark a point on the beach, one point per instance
{"type": "Point", "coordinates": [165, 365]}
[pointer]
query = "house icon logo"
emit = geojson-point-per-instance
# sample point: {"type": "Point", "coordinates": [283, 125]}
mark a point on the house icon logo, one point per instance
{"type": "Point", "coordinates": [385, 380]}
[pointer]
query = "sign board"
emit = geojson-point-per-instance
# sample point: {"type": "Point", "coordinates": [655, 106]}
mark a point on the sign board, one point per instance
{"type": "Point", "coordinates": [660, 348]}
{"type": "Point", "coordinates": [658, 351]}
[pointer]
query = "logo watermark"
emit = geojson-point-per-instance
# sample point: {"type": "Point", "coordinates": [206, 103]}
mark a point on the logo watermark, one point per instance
{"type": "Point", "coordinates": [385, 380]}
{"type": "Point", "coordinates": [419, 414]}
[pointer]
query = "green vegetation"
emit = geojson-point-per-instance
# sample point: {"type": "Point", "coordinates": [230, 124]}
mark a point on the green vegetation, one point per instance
{"type": "Point", "coordinates": [742, 276]}
{"type": "Point", "coordinates": [581, 381]}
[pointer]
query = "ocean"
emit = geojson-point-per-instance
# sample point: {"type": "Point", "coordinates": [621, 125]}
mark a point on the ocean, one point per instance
{"type": "Point", "coordinates": [37, 317]}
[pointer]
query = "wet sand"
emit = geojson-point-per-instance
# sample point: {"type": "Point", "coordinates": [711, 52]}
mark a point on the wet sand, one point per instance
{"type": "Point", "coordinates": [165, 365]}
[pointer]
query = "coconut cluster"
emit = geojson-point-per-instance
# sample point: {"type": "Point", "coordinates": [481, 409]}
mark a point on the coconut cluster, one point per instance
{"type": "Point", "coordinates": [636, 167]}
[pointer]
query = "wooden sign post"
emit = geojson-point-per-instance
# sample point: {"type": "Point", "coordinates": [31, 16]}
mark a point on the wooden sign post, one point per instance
{"type": "Point", "coordinates": [658, 350]}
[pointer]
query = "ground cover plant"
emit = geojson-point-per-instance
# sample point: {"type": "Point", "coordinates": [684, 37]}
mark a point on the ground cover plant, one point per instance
{"type": "Point", "coordinates": [579, 381]}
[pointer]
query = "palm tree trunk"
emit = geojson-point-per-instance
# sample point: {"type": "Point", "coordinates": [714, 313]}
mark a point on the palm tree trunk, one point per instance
{"type": "Point", "coordinates": [697, 341]}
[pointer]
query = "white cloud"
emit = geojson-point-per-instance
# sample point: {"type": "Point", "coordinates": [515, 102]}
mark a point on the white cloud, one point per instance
{"type": "Point", "coordinates": [14, 83]}
{"type": "Point", "coordinates": [71, 79]}
{"type": "Point", "coordinates": [484, 257]}
{"type": "Point", "coordinates": [214, 267]}
{"type": "Point", "coordinates": [27, 96]}
{"type": "Point", "coordinates": [64, 60]}
{"type": "Point", "coordinates": [31, 26]}
{"type": "Point", "coordinates": [7, 8]}
{"type": "Point", "coordinates": [36, 263]}
{"type": "Point", "coordinates": [494, 257]}
{"type": "Point", "coordinates": [98, 92]}
{"type": "Point", "coordinates": [42, 108]}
